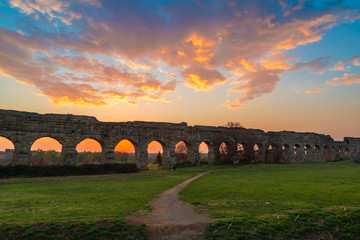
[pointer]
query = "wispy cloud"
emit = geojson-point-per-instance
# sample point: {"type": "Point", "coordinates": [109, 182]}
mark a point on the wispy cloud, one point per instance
{"type": "Point", "coordinates": [316, 66]}
{"type": "Point", "coordinates": [315, 90]}
{"type": "Point", "coordinates": [347, 79]}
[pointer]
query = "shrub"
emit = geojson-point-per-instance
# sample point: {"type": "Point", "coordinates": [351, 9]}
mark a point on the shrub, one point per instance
{"type": "Point", "coordinates": [51, 171]}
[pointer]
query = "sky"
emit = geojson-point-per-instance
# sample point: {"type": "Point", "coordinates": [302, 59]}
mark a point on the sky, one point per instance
{"type": "Point", "coordinates": [272, 65]}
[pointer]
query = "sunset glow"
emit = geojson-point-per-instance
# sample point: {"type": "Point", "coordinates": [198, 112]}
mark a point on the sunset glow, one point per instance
{"type": "Point", "coordinates": [154, 147]}
{"type": "Point", "coordinates": [125, 146]}
{"type": "Point", "coordinates": [271, 65]}
{"type": "Point", "coordinates": [89, 145]}
{"type": "Point", "coordinates": [46, 144]}
{"type": "Point", "coordinates": [5, 144]}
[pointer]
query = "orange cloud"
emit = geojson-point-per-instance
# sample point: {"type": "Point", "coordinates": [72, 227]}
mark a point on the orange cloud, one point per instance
{"type": "Point", "coordinates": [170, 74]}
{"type": "Point", "coordinates": [302, 32]}
{"type": "Point", "coordinates": [202, 78]}
{"type": "Point", "coordinates": [274, 65]}
{"type": "Point", "coordinates": [315, 90]}
{"type": "Point", "coordinates": [340, 66]}
{"type": "Point", "coordinates": [347, 79]}
{"type": "Point", "coordinates": [249, 66]}
{"type": "Point", "coordinates": [200, 41]}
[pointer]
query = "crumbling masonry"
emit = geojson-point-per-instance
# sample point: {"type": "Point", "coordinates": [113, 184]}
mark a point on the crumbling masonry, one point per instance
{"type": "Point", "coordinates": [244, 145]}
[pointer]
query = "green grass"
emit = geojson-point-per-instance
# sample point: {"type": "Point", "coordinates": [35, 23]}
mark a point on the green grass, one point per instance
{"type": "Point", "coordinates": [104, 229]}
{"type": "Point", "coordinates": [325, 224]}
{"type": "Point", "coordinates": [274, 189]}
{"type": "Point", "coordinates": [84, 197]}
{"type": "Point", "coordinates": [280, 201]}
{"type": "Point", "coordinates": [258, 201]}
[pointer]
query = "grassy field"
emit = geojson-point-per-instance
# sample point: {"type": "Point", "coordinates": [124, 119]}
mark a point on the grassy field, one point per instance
{"type": "Point", "coordinates": [268, 189]}
{"type": "Point", "coordinates": [281, 201]}
{"type": "Point", "coordinates": [253, 201]}
{"type": "Point", "coordinates": [84, 197]}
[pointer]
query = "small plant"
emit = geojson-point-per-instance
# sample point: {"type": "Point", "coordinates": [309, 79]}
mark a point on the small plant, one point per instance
{"type": "Point", "coordinates": [159, 159]}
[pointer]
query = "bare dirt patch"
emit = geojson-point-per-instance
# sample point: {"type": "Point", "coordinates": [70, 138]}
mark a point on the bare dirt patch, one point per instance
{"type": "Point", "coordinates": [172, 218]}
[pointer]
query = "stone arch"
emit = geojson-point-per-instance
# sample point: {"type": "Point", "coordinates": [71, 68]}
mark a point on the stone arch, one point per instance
{"type": "Point", "coordinates": [347, 153]}
{"type": "Point", "coordinates": [327, 153]}
{"type": "Point", "coordinates": [298, 153]}
{"type": "Point", "coordinates": [317, 153]}
{"type": "Point", "coordinates": [7, 149]}
{"type": "Point", "coordinates": [126, 151]}
{"type": "Point", "coordinates": [204, 150]}
{"type": "Point", "coordinates": [45, 151]}
{"type": "Point", "coordinates": [89, 151]}
{"type": "Point", "coordinates": [286, 153]}
{"type": "Point", "coordinates": [308, 153]}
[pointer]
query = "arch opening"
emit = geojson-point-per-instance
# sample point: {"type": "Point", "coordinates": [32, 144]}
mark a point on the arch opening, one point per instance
{"type": "Point", "coordinates": [256, 153]}
{"type": "Point", "coordinates": [181, 152]}
{"type": "Point", "coordinates": [223, 153]}
{"type": "Point", "coordinates": [336, 153]}
{"type": "Point", "coordinates": [327, 153]}
{"type": "Point", "coordinates": [308, 153]}
{"type": "Point", "coordinates": [204, 153]}
{"type": "Point", "coordinates": [347, 153]}
{"type": "Point", "coordinates": [286, 153]}
{"type": "Point", "coordinates": [125, 152]}
{"type": "Point", "coordinates": [298, 153]}
{"type": "Point", "coordinates": [45, 151]}
{"type": "Point", "coordinates": [355, 154]}
{"type": "Point", "coordinates": [155, 154]}
{"type": "Point", "coordinates": [341, 153]}
{"type": "Point", "coordinates": [240, 148]}
{"type": "Point", "coordinates": [317, 153]}
{"type": "Point", "coordinates": [272, 154]}
{"type": "Point", "coordinates": [89, 152]}
{"type": "Point", "coordinates": [6, 151]}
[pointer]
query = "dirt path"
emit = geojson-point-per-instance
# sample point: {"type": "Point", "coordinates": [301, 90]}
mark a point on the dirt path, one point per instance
{"type": "Point", "coordinates": [172, 218]}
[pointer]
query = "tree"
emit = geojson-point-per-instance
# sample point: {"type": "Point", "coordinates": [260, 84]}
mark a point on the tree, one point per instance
{"type": "Point", "coordinates": [159, 159]}
{"type": "Point", "coordinates": [180, 151]}
{"type": "Point", "coordinates": [233, 125]}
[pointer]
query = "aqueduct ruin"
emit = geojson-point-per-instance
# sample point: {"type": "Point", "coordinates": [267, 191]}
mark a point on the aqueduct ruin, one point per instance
{"type": "Point", "coordinates": [243, 145]}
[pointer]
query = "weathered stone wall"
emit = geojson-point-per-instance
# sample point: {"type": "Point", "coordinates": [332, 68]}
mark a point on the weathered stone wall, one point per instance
{"type": "Point", "coordinates": [244, 145]}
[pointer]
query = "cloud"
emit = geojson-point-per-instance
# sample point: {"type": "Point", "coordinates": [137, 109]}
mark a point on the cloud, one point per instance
{"type": "Point", "coordinates": [346, 64]}
{"type": "Point", "coordinates": [274, 65]}
{"type": "Point", "coordinates": [74, 79]}
{"type": "Point", "coordinates": [258, 83]}
{"type": "Point", "coordinates": [112, 49]}
{"type": "Point", "coordinates": [347, 79]}
{"type": "Point", "coordinates": [315, 90]}
{"type": "Point", "coordinates": [316, 66]}
{"type": "Point", "coordinates": [202, 78]}
{"type": "Point", "coordinates": [51, 8]}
